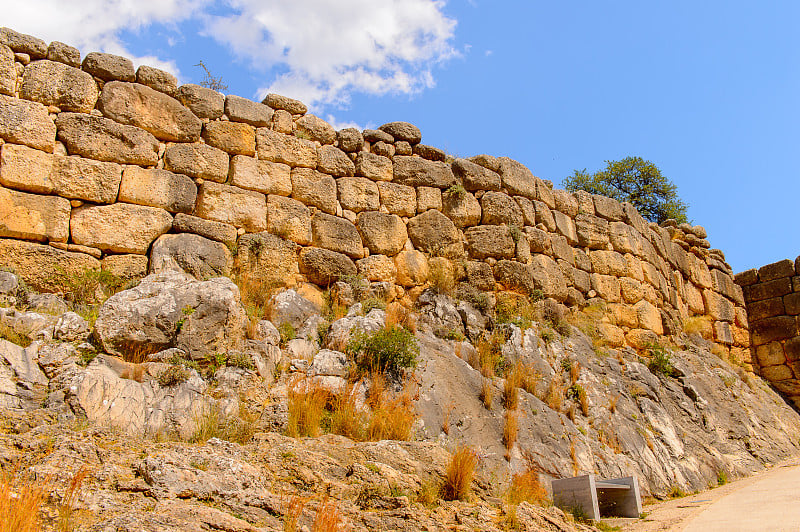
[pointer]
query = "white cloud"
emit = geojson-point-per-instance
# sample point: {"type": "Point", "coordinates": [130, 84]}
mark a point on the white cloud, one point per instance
{"type": "Point", "coordinates": [331, 49]}
{"type": "Point", "coordinates": [316, 50]}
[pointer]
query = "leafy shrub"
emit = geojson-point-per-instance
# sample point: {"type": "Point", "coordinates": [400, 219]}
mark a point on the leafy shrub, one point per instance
{"type": "Point", "coordinates": [392, 349]}
{"type": "Point", "coordinates": [372, 303]}
{"type": "Point", "coordinates": [287, 332]}
{"type": "Point", "coordinates": [460, 471]}
{"type": "Point", "coordinates": [457, 190]}
{"type": "Point", "coordinates": [473, 296]}
{"type": "Point", "coordinates": [722, 478]}
{"type": "Point", "coordinates": [173, 375]}
{"type": "Point", "coordinates": [238, 359]}
{"type": "Point", "coordinates": [660, 361]}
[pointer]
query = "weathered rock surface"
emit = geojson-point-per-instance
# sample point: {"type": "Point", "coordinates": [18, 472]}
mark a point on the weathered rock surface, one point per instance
{"type": "Point", "coordinates": [433, 231]}
{"type": "Point", "coordinates": [286, 149]}
{"type": "Point", "coordinates": [121, 227]}
{"type": "Point", "coordinates": [199, 257]}
{"type": "Point", "coordinates": [315, 189]}
{"type": "Point", "coordinates": [139, 105]}
{"type": "Point", "coordinates": [336, 234]}
{"type": "Point", "coordinates": [197, 160]}
{"type": "Point", "coordinates": [266, 261]}
{"type": "Point", "coordinates": [105, 140]}
{"type": "Point", "coordinates": [233, 137]}
{"type": "Point", "coordinates": [262, 176]}
{"type": "Point", "coordinates": [202, 101]}
{"type": "Point", "coordinates": [232, 205]}
{"type": "Point", "coordinates": [158, 188]}
{"type": "Point", "coordinates": [241, 109]}
{"type": "Point", "coordinates": [383, 234]}
{"type": "Point", "coordinates": [43, 267]}
{"type": "Point", "coordinates": [172, 309]}
{"type": "Point", "coordinates": [51, 83]}
{"type": "Point", "coordinates": [33, 217]}
{"type": "Point", "coordinates": [419, 172]}
{"type": "Point", "coordinates": [108, 67]}
{"type": "Point", "coordinates": [324, 267]}
{"type": "Point", "coordinates": [26, 123]}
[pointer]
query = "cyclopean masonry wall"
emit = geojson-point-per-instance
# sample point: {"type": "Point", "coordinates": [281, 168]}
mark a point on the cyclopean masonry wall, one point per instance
{"type": "Point", "coordinates": [772, 294]}
{"type": "Point", "coordinates": [104, 166]}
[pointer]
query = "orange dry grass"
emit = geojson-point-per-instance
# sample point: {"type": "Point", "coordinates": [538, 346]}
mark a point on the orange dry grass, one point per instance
{"type": "Point", "coordinates": [446, 417]}
{"type": "Point", "coordinates": [20, 501]}
{"type": "Point", "coordinates": [612, 403]}
{"type": "Point", "coordinates": [460, 472]}
{"type": "Point", "coordinates": [397, 314]}
{"type": "Point", "coordinates": [527, 487]}
{"type": "Point", "coordinates": [307, 403]}
{"type": "Point", "coordinates": [392, 418]}
{"type": "Point", "coordinates": [487, 393]}
{"type": "Point", "coordinates": [555, 394]}
{"type": "Point", "coordinates": [574, 456]}
{"type": "Point", "coordinates": [293, 512]}
{"type": "Point", "coordinates": [65, 508]}
{"type": "Point", "coordinates": [511, 389]}
{"type": "Point", "coordinates": [575, 372]}
{"type": "Point", "coordinates": [346, 419]}
{"type": "Point", "coordinates": [510, 429]}
{"type": "Point", "coordinates": [133, 372]}
{"type": "Point", "coordinates": [328, 518]}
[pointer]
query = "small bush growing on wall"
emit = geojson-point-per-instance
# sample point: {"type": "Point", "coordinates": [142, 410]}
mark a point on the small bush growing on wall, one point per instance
{"type": "Point", "coordinates": [392, 350]}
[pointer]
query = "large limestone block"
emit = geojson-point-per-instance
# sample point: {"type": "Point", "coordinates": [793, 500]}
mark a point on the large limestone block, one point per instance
{"type": "Point", "coordinates": [287, 149]}
{"type": "Point", "coordinates": [461, 207]}
{"type": "Point", "coordinates": [324, 267]}
{"type": "Point", "coordinates": [221, 232]}
{"type": "Point", "coordinates": [566, 227]}
{"type": "Point", "coordinates": [566, 203]}
{"type": "Point", "coordinates": [402, 131]}
{"type": "Point", "coordinates": [335, 162]}
{"type": "Point", "coordinates": [232, 205]}
{"type": "Point", "coordinates": [73, 177]}
{"type": "Point", "coordinates": [544, 193]}
{"type": "Point", "coordinates": [724, 284]}
{"type": "Point", "coordinates": [419, 172]}
{"type": "Point", "coordinates": [262, 176]}
{"type": "Point", "coordinates": [772, 329]}
{"type": "Point", "coordinates": [718, 307]}
{"type": "Point", "coordinates": [435, 233]}
{"type": "Point", "coordinates": [624, 238]}
{"type": "Point", "coordinates": [105, 140]}
{"type": "Point", "coordinates": [543, 215]}
{"type": "Point", "coordinates": [266, 261]}
{"type": "Point", "coordinates": [490, 241]}
{"type": "Point", "coordinates": [350, 140]}
{"type": "Point", "coordinates": [428, 198]}
{"type": "Point", "coordinates": [51, 83]}
{"type": "Point", "coordinates": [139, 105]}
{"type": "Point", "coordinates": [528, 210]}
{"type": "Point", "coordinates": [157, 79]}
{"type": "Point", "coordinates": [241, 109]}
{"type": "Point", "coordinates": [608, 208]}
{"type": "Point", "coordinates": [548, 277]}
{"type": "Point", "coordinates": [513, 275]}
{"type": "Point", "coordinates": [314, 189]}
{"type": "Point", "coordinates": [607, 287]}
{"type": "Point", "coordinates": [776, 270]}
{"type": "Point", "coordinates": [8, 71]}
{"type": "Point", "coordinates": [316, 129]}
{"type": "Point", "coordinates": [22, 43]}
{"type": "Point", "coordinates": [158, 188]}
{"type": "Point", "coordinates": [412, 268]}
{"type": "Point", "coordinates": [278, 101]}
{"type": "Point", "coordinates": [358, 194]}
{"type": "Point", "coordinates": [336, 234]}
{"type": "Point", "coordinates": [398, 199]}
{"type": "Point", "coordinates": [44, 268]}
{"type": "Point", "coordinates": [608, 263]}
{"type": "Point", "coordinates": [517, 179]}
{"type": "Point", "coordinates": [373, 166]}
{"type": "Point", "coordinates": [33, 217]}
{"type": "Point", "coordinates": [233, 137]}
{"type": "Point", "coordinates": [199, 257]}
{"type": "Point", "coordinates": [120, 228]}
{"type": "Point", "coordinates": [383, 234]}
{"type": "Point", "coordinates": [27, 123]}
{"type": "Point", "coordinates": [197, 160]}
{"type": "Point", "coordinates": [631, 289]}
{"type": "Point", "coordinates": [592, 231]}
{"type": "Point", "coordinates": [377, 268]}
{"type": "Point", "coordinates": [109, 67]}
{"type": "Point", "coordinates": [649, 317]}
{"type": "Point", "coordinates": [475, 177]}
{"type": "Point", "coordinates": [127, 267]}
{"type": "Point", "coordinates": [499, 208]}
{"type": "Point", "coordinates": [171, 309]}
{"type": "Point", "coordinates": [633, 218]}
{"type": "Point", "coordinates": [289, 219]}
{"type": "Point", "coordinates": [202, 101]}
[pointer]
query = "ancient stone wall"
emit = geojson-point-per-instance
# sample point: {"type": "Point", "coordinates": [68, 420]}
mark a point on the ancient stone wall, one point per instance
{"type": "Point", "coordinates": [104, 166]}
{"type": "Point", "coordinates": [772, 295]}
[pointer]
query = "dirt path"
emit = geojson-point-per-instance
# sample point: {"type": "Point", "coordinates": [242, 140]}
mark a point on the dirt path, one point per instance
{"type": "Point", "coordinates": [769, 501]}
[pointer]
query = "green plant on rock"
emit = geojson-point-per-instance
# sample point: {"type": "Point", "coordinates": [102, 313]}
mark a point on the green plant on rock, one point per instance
{"type": "Point", "coordinates": [392, 350]}
{"type": "Point", "coordinates": [660, 360]}
{"type": "Point", "coordinates": [457, 190]}
{"type": "Point", "coordinates": [173, 376]}
{"type": "Point", "coordinates": [372, 303]}
{"type": "Point", "coordinates": [237, 359]}
{"type": "Point", "coordinates": [287, 332]}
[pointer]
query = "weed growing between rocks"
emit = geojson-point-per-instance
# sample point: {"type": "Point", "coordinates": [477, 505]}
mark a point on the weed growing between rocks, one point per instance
{"type": "Point", "coordinates": [294, 509]}
{"type": "Point", "coordinates": [8, 333]}
{"type": "Point", "coordinates": [526, 487]}
{"type": "Point", "coordinates": [459, 474]}
{"type": "Point", "coordinates": [65, 508]}
{"type": "Point", "coordinates": [174, 375]}
{"type": "Point", "coordinates": [21, 499]}
{"type": "Point", "coordinates": [287, 332]}
{"type": "Point", "coordinates": [517, 309]}
{"type": "Point", "coordinates": [441, 276]}
{"type": "Point", "coordinates": [307, 403]}
{"type": "Point", "coordinates": [328, 518]}
{"type": "Point", "coordinates": [660, 360]}
{"type": "Point", "coordinates": [487, 392]}
{"type": "Point", "coordinates": [510, 430]}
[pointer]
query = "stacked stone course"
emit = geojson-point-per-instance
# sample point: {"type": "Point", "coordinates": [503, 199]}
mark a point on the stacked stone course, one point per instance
{"type": "Point", "coordinates": [772, 295]}
{"type": "Point", "coordinates": [104, 166]}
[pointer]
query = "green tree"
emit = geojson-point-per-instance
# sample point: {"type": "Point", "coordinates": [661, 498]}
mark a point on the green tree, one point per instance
{"type": "Point", "coordinates": [635, 180]}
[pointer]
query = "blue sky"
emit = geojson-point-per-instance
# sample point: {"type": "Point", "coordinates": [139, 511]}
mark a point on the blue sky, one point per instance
{"type": "Point", "coordinates": [708, 91]}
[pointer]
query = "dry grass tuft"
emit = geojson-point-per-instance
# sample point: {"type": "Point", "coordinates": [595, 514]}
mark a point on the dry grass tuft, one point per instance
{"type": "Point", "coordinates": [346, 419]}
{"type": "Point", "coordinates": [441, 276]}
{"type": "Point", "coordinates": [555, 395]}
{"type": "Point", "coordinates": [574, 372]}
{"type": "Point", "coordinates": [255, 294]}
{"type": "Point", "coordinates": [65, 508]}
{"type": "Point", "coordinates": [526, 487]}
{"type": "Point", "coordinates": [612, 402]}
{"type": "Point", "coordinates": [487, 392]}
{"type": "Point", "coordinates": [446, 417]}
{"type": "Point", "coordinates": [510, 430]}
{"type": "Point", "coordinates": [328, 518]}
{"type": "Point", "coordinates": [459, 475]}
{"type": "Point", "coordinates": [573, 454]}
{"type": "Point", "coordinates": [511, 388]}
{"type": "Point", "coordinates": [392, 417]}
{"type": "Point", "coordinates": [397, 314]}
{"type": "Point", "coordinates": [702, 325]}
{"type": "Point", "coordinates": [20, 502]}
{"type": "Point", "coordinates": [307, 403]}
{"type": "Point", "coordinates": [293, 512]}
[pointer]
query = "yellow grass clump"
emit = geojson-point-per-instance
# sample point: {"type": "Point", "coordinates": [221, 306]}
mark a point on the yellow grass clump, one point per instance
{"type": "Point", "coordinates": [459, 475]}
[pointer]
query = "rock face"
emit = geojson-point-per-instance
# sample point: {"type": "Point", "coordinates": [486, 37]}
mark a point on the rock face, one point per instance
{"type": "Point", "coordinates": [43, 267]}
{"type": "Point", "coordinates": [153, 111]}
{"type": "Point", "coordinates": [171, 309]}
{"type": "Point", "coordinates": [324, 267]}
{"type": "Point", "coordinates": [51, 83]}
{"type": "Point", "coordinates": [197, 160]}
{"type": "Point", "coordinates": [158, 188]}
{"type": "Point", "coordinates": [105, 140]}
{"type": "Point", "coordinates": [383, 234]}
{"type": "Point", "coordinates": [26, 123]}
{"type": "Point", "coordinates": [267, 261]}
{"type": "Point", "coordinates": [200, 257]}
{"type": "Point", "coordinates": [120, 227]}
{"type": "Point", "coordinates": [232, 205]}
{"type": "Point", "coordinates": [33, 217]}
